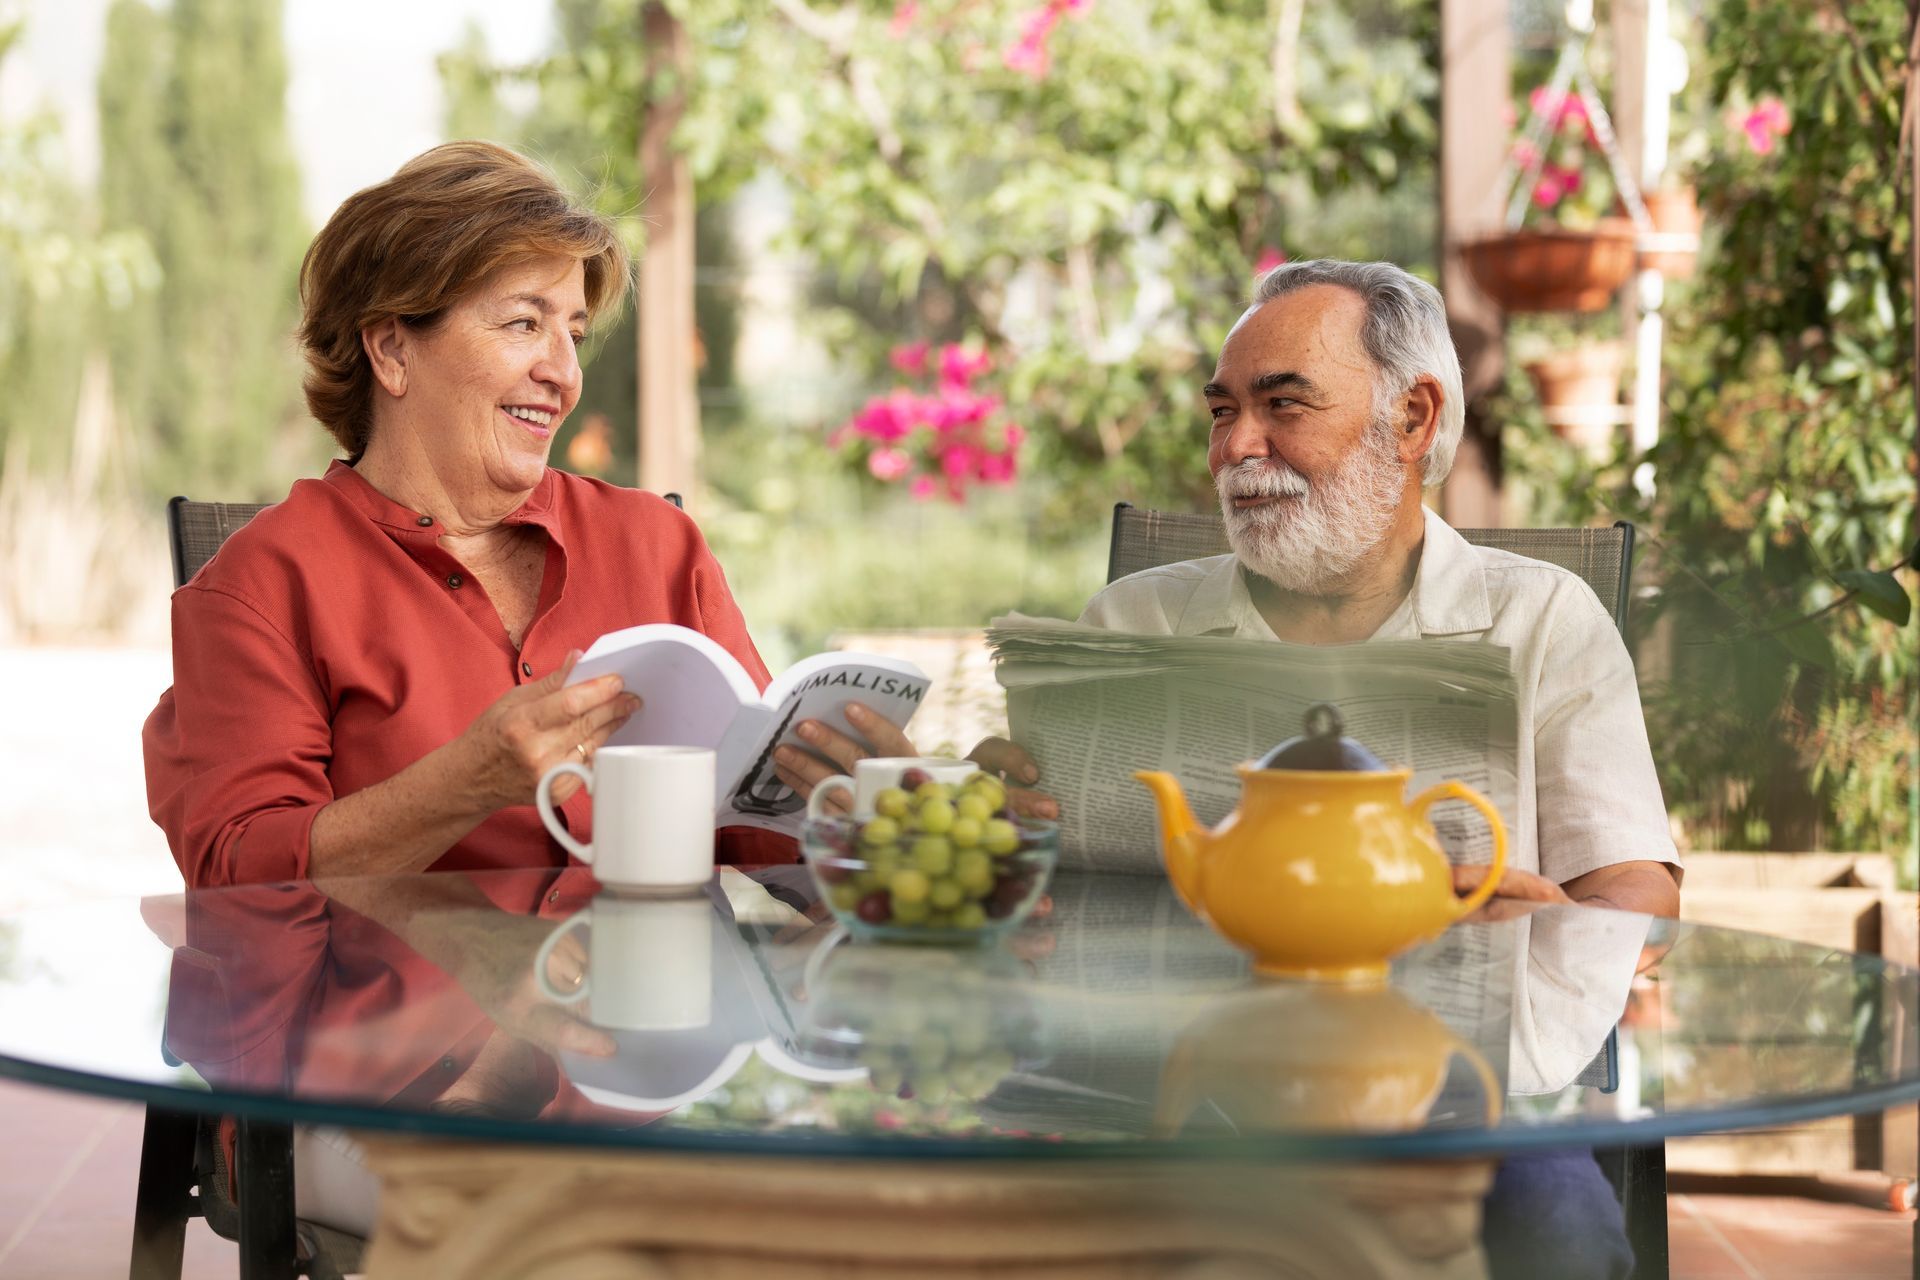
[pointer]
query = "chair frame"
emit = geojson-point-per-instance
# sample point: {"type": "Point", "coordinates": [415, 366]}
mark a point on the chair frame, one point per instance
{"type": "Point", "coordinates": [1638, 1173]}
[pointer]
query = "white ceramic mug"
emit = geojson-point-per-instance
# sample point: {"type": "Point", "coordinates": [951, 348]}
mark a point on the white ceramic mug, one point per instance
{"type": "Point", "coordinates": [649, 963]}
{"type": "Point", "coordinates": [652, 816]}
{"type": "Point", "coordinates": [874, 775]}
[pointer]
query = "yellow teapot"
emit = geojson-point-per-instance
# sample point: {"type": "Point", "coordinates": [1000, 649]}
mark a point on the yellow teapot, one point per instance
{"type": "Point", "coordinates": [1314, 1059]}
{"type": "Point", "coordinates": [1326, 870]}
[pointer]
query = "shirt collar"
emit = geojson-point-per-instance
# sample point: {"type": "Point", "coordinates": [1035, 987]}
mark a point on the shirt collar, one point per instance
{"type": "Point", "coordinates": [382, 510]}
{"type": "Point", "coordinates": [1449, 594]}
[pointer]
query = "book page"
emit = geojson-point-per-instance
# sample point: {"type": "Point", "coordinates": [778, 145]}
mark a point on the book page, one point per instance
{"type": "Point", "coordinates": [817, 688]}
{"type": "Point", "coordinates": [690, 688]}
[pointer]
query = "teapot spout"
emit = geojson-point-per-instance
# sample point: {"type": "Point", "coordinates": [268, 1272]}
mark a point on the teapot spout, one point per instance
{"type": "Point", "coordinates": [1181, 835]}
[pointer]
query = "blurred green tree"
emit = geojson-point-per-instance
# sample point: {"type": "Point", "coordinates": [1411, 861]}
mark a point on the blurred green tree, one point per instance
{"type": "Point", "coordinates": [195, 153]}
{"type": "Point", "coordinates": [57, 272]}
{"type": "Point", "coordinates": [1085, 187]}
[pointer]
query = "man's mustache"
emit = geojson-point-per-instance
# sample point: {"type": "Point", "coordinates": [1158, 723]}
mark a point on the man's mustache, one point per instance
{"type": "Point", "coordinates": [1256, 479]}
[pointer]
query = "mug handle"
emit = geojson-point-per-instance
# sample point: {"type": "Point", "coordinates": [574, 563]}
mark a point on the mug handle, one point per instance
{"type": "Point", "coordinates": [1489, 1083]}
{"type": "Point", "coordinates": [545, 954]}
{"type": "Point", "coordinates": [1460, 791]}
{"type": "Point", "coordinates": [543, 799]}
{"type": "Point", "coordinates": [839, 780]}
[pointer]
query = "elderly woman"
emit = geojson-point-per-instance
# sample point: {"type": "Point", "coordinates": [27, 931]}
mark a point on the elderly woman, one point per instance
{"type": "Point", "coordinates": [370, 676]}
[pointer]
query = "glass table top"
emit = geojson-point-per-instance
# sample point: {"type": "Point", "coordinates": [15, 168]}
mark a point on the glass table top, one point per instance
{"type": "Point", "coordinates": [527, 1006]}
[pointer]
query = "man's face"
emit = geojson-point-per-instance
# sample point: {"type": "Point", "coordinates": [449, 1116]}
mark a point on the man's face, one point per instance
{"type": "Point", "coordinates": [1308, 480]}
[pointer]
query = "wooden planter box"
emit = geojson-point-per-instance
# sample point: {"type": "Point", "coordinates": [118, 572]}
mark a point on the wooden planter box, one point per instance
{"type": "Point", "coordinates": [1839, 900]}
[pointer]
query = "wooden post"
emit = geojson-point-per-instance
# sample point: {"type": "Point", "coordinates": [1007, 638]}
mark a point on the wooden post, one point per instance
{"type": "Point", "coordinates": [669, 426]}
{"type": "Point", "coordinates": [1475, 94]}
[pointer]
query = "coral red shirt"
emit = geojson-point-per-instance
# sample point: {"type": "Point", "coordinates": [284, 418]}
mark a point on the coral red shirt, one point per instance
{"type": "Point", "coordinates": [332, 642]}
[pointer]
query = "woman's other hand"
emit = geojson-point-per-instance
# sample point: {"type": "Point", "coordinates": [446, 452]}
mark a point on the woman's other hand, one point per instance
{"type": "Point", "coordinates": [1010, 762]}
{"type": "Point", "coordinates": [506, 751]}
{"type": "Point", "coordinates": [804, 772]}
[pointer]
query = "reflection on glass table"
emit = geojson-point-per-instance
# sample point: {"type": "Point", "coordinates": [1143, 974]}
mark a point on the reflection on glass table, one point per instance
{"type": "Point", "coordinates": [521, 1007]}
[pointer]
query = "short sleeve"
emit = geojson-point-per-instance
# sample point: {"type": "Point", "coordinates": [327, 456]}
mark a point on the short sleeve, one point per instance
{"type": "Point", "coordinates": [1597, 793]}
{"type": "Point", "coordinates": [238, 749]}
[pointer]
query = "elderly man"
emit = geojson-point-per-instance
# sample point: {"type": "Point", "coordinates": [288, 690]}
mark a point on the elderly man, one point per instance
{"type": "Point", "coordinates": [1335, 403]}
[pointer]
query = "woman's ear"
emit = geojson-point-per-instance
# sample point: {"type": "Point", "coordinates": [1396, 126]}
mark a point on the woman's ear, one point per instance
{"type": "Point", "coordinates": [388, 345]}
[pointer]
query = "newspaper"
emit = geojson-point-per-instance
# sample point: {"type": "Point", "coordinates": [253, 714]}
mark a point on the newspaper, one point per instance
{"type": "Point", "coordinates": [1092, 706]}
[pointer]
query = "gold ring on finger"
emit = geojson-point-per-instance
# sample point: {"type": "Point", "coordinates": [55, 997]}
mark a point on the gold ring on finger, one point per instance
{"type": "Point", "coordinates": [581, 747]}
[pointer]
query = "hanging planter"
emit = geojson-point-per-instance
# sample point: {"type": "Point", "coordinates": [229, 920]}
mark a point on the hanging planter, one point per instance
{"type": "Point", "coordinates": [1553, 268]}
{"type": "Point", "coordinates": [1673, 245]}
{"type": "Point", "coordinates": [1579, 390]}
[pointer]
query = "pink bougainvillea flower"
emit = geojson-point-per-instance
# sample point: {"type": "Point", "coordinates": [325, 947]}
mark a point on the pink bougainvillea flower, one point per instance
{"type": "Point", "coordinates": [1524, 154]}
{"type": "Point", "coordinates": [1765, 124]}
{"type": "Point", "coordinates": [903, 15]}
{"type": "Point", "coordinates": [1027, 55]}
{"type": "Point", "coordinates": [922, 488]}
{"type": "Point", "coordinates": [996, 468]}
{"type": "Point", "coordinates": [958, 461]}
{"type": "Point", "coordinates": [909, 358]}
{"type": "Point", "coordinates": [959, 366]}
{"type": "Point", "coordinates": [1269, 258]}
{"type": "Point", "coordinates": [886, 419]}
{"type": "Point", "coordinates": [1567, 176]}
{"type": "Point", "coordinates": [1549, 191]}
{"type": "Point", "coordinates": [889, 464]}
{"type": "Point", "coordinates": [1014, 436]}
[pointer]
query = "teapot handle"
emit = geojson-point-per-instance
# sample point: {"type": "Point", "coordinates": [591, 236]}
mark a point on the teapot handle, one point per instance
{"type": "Point", "coordinates": [1460, 791]}
{"type": "Point", "coordinates": [1489, 1083]}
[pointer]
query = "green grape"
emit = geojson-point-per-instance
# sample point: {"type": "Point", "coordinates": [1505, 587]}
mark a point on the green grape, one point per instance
{"type": "Point", "coordinates": [940, 920]}
{"type": "Point", "coordinates": [996, 1061]}
{"type": "Point", "coordinates": [969, 1034]}
{"type": "Point", "coordinates": [929, 1050]}
{"type": "Point", "coordinates": [945, 895]}
{"type": "Point", "coordinates": [866, 882]}
{"type": "Point", "coordinates": [973, 805]}
{"type": "Point", "coordinates": [879, 831]}
{"type": "Point", "coordinates": [970, 916]}
{"type": "Point", "coordinates": [885, 863]}
{"type": "Point", "coordinates": [1001, 837]}
{"type": "Point", "coordinates": [908, 885]}
{"type": "Point", "coordinates": [933, 855]}
{"type": "Point", "coordinates": [886, 1077]}
{"type": "Point", "coordinates": [845, 896]}
{"type": "Point", "coordinates": [966, 832]}
{"type": "Point", "coordinates": [910, 912]}
{"type": "Point", "coordinates": [973, 871]}
{"type": "Point", "coordinates": [892, 803]}
{"type": "Point", "coordinates": [930, 791]}
{"type": "Point", "coordinates": [935, 816]}
{"type": "Point", "coordinates": [989, 789]}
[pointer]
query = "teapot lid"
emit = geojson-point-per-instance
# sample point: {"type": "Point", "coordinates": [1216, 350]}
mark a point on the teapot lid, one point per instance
{"type": "Point", "coordinates": [1321, 748]}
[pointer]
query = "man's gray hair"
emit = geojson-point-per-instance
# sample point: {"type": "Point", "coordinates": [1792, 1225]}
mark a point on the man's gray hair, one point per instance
{"type": "Point", "coordinates": [1405, 333]}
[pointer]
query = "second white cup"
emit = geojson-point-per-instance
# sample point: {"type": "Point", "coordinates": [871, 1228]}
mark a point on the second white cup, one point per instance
{"type": "Point", "coordinates": [652, 816]}
{"type": "Point", "coordinates": [874, 775]}
{"type": "Point", "coordinates": [649, 964]}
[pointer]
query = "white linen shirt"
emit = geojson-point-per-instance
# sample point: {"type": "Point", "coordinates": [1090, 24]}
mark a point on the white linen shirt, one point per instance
{"type": "Point", "coordinates": [1587, 792]}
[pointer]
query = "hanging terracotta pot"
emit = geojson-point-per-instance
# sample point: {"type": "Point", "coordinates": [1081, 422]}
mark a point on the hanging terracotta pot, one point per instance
{"type": "Point", "coordinates": [1553, 268]}
{"type": "Point", "coordinates": [1673, 245]}
{"type": "Point", "coordinates": [1580, 392]}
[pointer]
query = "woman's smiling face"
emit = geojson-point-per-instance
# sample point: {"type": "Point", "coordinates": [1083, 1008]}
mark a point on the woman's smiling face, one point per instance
{"type": "Point", "coordinates": [501, 370]}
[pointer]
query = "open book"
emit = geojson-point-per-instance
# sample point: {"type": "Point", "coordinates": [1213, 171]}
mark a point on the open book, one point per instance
{"type": "Point", "coordinates": [695, 694]}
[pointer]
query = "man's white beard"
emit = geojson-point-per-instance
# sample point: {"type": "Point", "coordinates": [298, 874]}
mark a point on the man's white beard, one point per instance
{"type": "Point", "coordinates": [1314, 535]}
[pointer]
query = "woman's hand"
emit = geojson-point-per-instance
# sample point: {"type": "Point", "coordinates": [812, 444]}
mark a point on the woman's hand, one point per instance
{"type": "Point", "coordinates": [804, 772]}
{"type": "Point", "coordinates": [1010, 762]}
{"type": "Point", "coordinates": [504, 753]}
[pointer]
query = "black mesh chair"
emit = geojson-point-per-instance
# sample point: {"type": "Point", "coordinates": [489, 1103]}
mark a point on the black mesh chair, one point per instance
{"type": "Point", "coordinates": [1603, 558]}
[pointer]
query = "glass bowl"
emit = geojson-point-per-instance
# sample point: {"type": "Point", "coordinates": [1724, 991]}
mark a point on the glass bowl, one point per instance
{"type": "Point", "coordinates": [971, 881]}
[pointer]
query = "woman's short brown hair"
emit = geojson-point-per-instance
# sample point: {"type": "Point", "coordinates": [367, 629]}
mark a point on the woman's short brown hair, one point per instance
{"type": "Point", "coordinates": [414, 245]}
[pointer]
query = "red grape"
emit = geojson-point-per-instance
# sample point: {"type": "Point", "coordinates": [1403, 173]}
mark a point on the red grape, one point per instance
{"type": "Point", "coordinates": [911, 779]}
{"type": "Point", "coordinates": [876, 907]}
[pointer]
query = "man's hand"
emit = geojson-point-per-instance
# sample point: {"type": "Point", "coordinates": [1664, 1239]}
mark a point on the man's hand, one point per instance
{"type": "Point", "coordinates": [804, 772]}
{"type": "Point", "coordinates": [1519, 893]}
{"type": "Point", "coordinates": [1641, 885]}
{"type": "Point", "coordinates": [1009, 762]}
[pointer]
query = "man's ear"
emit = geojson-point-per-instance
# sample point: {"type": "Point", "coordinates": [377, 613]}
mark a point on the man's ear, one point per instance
{"type": "Point", "coordinates": [1420, 418]}
{"type": "Point", "coordinates": [388, 345]}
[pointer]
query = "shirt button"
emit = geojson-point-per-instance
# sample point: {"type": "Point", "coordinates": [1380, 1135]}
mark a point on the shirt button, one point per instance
{"type": "Point", "coordinates": [424, 521]}
{"type": "Point", "coordinates": [454, 580]}
{"type": "Point", "coordinates": [526, 669]}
